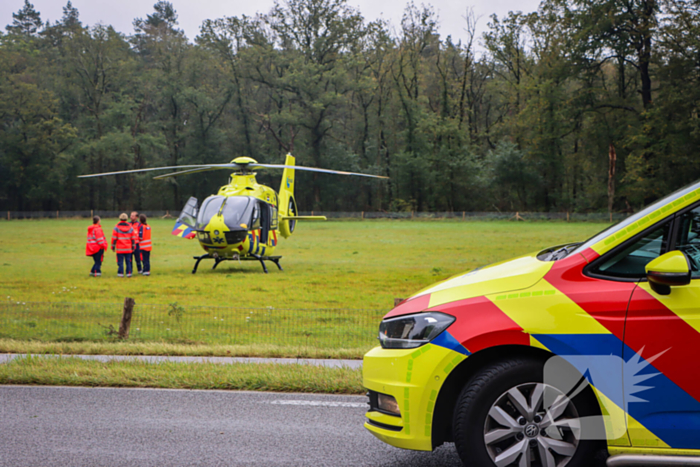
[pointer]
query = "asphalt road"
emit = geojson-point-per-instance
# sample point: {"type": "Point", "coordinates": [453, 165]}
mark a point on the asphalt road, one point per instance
{"type": "Point", "coordinates": [61, 426]}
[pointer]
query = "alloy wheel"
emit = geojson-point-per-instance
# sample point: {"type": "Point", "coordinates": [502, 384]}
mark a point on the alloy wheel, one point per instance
{"type": "Point", "coordinates": [532, 425]}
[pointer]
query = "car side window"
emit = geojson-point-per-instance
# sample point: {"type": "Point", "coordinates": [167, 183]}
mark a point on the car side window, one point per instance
{"type": "Point", "coordinates": [688, 240]}
{"type": "Point", "coordinates": [629, 262]}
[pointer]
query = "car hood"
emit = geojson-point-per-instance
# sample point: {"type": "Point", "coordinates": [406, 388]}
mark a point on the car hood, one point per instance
{"type": "Point", "coordinates": [515, 274]}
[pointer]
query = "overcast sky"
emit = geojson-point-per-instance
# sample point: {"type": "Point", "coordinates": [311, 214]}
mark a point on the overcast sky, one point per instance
{"type": "Point", "coordinates": [191, 13]}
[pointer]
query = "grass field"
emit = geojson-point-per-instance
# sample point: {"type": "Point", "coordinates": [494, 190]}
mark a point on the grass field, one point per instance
{"type": "Point", "coordinates": [107, 347]}
{"type": "Point", "coordinates": [327, 264]}
{"type": "Point", "coordinates": [359, 267]}
{"type": "Point", "coordinates": [239, 376]}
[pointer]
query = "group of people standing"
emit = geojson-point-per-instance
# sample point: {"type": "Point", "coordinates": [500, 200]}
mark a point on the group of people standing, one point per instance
{"type": "Point", "coordinates": [131, 240]}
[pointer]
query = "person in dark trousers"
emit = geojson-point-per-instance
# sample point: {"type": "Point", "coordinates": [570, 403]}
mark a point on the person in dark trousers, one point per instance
{"type": "Point", "coordinates": [96, 246]}
{"type": "Point", "coordinates": [145, 244]}
{"type": "Point", "coordinates": [136, 253]}
{"type": "Point", "coordinates": [123, 243]}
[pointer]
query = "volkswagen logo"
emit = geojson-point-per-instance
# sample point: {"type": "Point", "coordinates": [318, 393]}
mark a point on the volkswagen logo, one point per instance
{"type": "Point", "coordinates": [531, 431]}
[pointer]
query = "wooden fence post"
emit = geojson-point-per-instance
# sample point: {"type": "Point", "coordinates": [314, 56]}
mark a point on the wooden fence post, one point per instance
{"type": "Point", "coordinates": [56, 214]}
{"type": "Point", "coordinates": [363, 214]}
{"type": "Point", "coordinates": [126, 318]}
{"type": "Point", "coordinates": [8, 215]}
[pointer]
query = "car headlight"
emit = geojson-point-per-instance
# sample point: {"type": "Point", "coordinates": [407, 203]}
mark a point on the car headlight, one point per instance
{"type": "Point", "coordinates": [411, 331]}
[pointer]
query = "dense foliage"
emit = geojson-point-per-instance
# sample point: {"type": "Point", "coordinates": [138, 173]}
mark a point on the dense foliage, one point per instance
{"type": "Point", "coordinates": [528, 120]}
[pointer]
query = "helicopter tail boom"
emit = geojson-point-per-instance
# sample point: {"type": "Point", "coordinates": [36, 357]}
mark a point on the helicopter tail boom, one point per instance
{"type": "Point", "coordinates": [304, 218]}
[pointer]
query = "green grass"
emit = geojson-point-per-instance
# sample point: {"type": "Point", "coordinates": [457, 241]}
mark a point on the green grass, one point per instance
{"type": "Point", "coordinates": [239, 376]}
{"type": "Point", "coordinates": [80, 322]}
{"type": "Point", "coordinates": [330, 264]}
{"type": "Point", "coordinates": [165, 348]}
{"type": "Point", "coordinates": [359, 267]}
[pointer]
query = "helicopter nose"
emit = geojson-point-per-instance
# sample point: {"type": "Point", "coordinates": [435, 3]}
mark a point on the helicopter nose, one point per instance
{"type": "Point", "coordinates": [236, 237]}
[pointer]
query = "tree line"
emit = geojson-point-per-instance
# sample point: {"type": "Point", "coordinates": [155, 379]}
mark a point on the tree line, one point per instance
{"type": "Point", "coordinates": [580, 106]}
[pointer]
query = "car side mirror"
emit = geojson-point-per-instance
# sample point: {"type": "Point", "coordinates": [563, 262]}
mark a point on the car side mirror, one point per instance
{"type": "Point", "coordinates": [670, 269]}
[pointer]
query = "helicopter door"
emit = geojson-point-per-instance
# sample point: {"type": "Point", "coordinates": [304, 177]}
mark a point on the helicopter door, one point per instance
{"type": "Point", "coordinates": [188, 216]}
{"type": "Point", "coordinates": [265, 223]}
{"type": "Point", "coordinates": [274, 219]}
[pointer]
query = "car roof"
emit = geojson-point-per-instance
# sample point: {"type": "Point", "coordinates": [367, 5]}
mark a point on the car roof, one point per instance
{"type": "Point", "coordinates": [650, 215]}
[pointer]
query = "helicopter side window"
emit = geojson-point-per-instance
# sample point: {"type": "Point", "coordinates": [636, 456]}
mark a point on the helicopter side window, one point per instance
{"type": "Point", "coordinates": [273, 217]}
{"type": "Point", "coordinates": [255, 221]}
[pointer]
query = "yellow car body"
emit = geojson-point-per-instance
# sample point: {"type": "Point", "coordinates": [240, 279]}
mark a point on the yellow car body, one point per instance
{"type": "Point", "coordinates": [584, 302]}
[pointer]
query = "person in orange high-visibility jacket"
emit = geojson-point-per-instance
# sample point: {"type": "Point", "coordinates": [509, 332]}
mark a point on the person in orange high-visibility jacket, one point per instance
{"type": "Point", "coordinates": [136, 254]}
{"type": "Point", "coordinates": [145, 244]}
{"type": "Point", "coordinates": [123, 243]}
{"type": "Point", "coordinates": [96, 246]}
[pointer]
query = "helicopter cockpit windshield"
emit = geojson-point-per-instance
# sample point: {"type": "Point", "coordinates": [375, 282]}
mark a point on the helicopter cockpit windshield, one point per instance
{"type": "Point", "coordinates": [236, 210]}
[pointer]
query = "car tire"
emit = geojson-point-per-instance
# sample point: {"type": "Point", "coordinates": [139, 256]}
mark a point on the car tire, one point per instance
{"type": "Point", "coordinates": [483, 441]}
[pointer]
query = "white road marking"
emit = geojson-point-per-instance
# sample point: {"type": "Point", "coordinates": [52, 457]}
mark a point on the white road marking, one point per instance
{"type": "Point", "coordinates": [317, 403]}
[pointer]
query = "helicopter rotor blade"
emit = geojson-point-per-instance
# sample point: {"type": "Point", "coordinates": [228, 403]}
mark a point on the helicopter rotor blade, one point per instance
{"type": "Point", "coordinates": [199, 166]}
{"type": "Point", "coordinates": [207, 167]}
{"type": "Point", "coordinates": [192, 171]}
{"type": "Point", "coordinates": [311, 169]}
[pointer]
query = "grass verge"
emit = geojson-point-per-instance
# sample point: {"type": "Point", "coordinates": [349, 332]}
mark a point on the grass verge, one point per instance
{"type": "Point", "coordinates": [69, 371]}
{"type": "Point", "coordinates": [159, 348]}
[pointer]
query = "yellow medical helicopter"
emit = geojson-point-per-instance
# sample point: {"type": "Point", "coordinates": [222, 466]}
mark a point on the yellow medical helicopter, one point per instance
{"type": "Point", "coordinates": [242, 221]}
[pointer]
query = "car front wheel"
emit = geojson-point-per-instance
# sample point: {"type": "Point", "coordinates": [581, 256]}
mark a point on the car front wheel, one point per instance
{"type": "Point", "coordinates": [507, 416]}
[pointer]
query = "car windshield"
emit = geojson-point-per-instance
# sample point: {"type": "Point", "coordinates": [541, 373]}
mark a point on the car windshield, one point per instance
{"type": "Point", "coordinates": [635, 217]}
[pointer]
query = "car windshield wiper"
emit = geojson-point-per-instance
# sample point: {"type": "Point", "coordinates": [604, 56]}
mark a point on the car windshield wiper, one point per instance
{"type": "Point", "coordinates": [563, 252]}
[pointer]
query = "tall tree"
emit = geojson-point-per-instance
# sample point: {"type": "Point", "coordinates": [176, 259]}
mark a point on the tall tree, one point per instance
{"type": "Point", "coordinates": [71, 17]}
{"type": "Point", "coordinates": [308, 52]}
{"type": "Point", "coordinates": [26, 22]}
{"type": "Point", "coordinates": [33, 139]}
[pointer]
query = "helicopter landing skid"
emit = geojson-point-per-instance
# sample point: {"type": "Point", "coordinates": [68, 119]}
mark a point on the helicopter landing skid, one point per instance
{"type": "Point", "coordinates": [274, 259]}
{"type": "Point", "coordinates": [262, 259]}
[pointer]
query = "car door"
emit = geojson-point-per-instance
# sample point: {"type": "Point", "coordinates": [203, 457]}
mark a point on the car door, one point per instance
{"type": "Point", "coordinates": [662, 353]}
